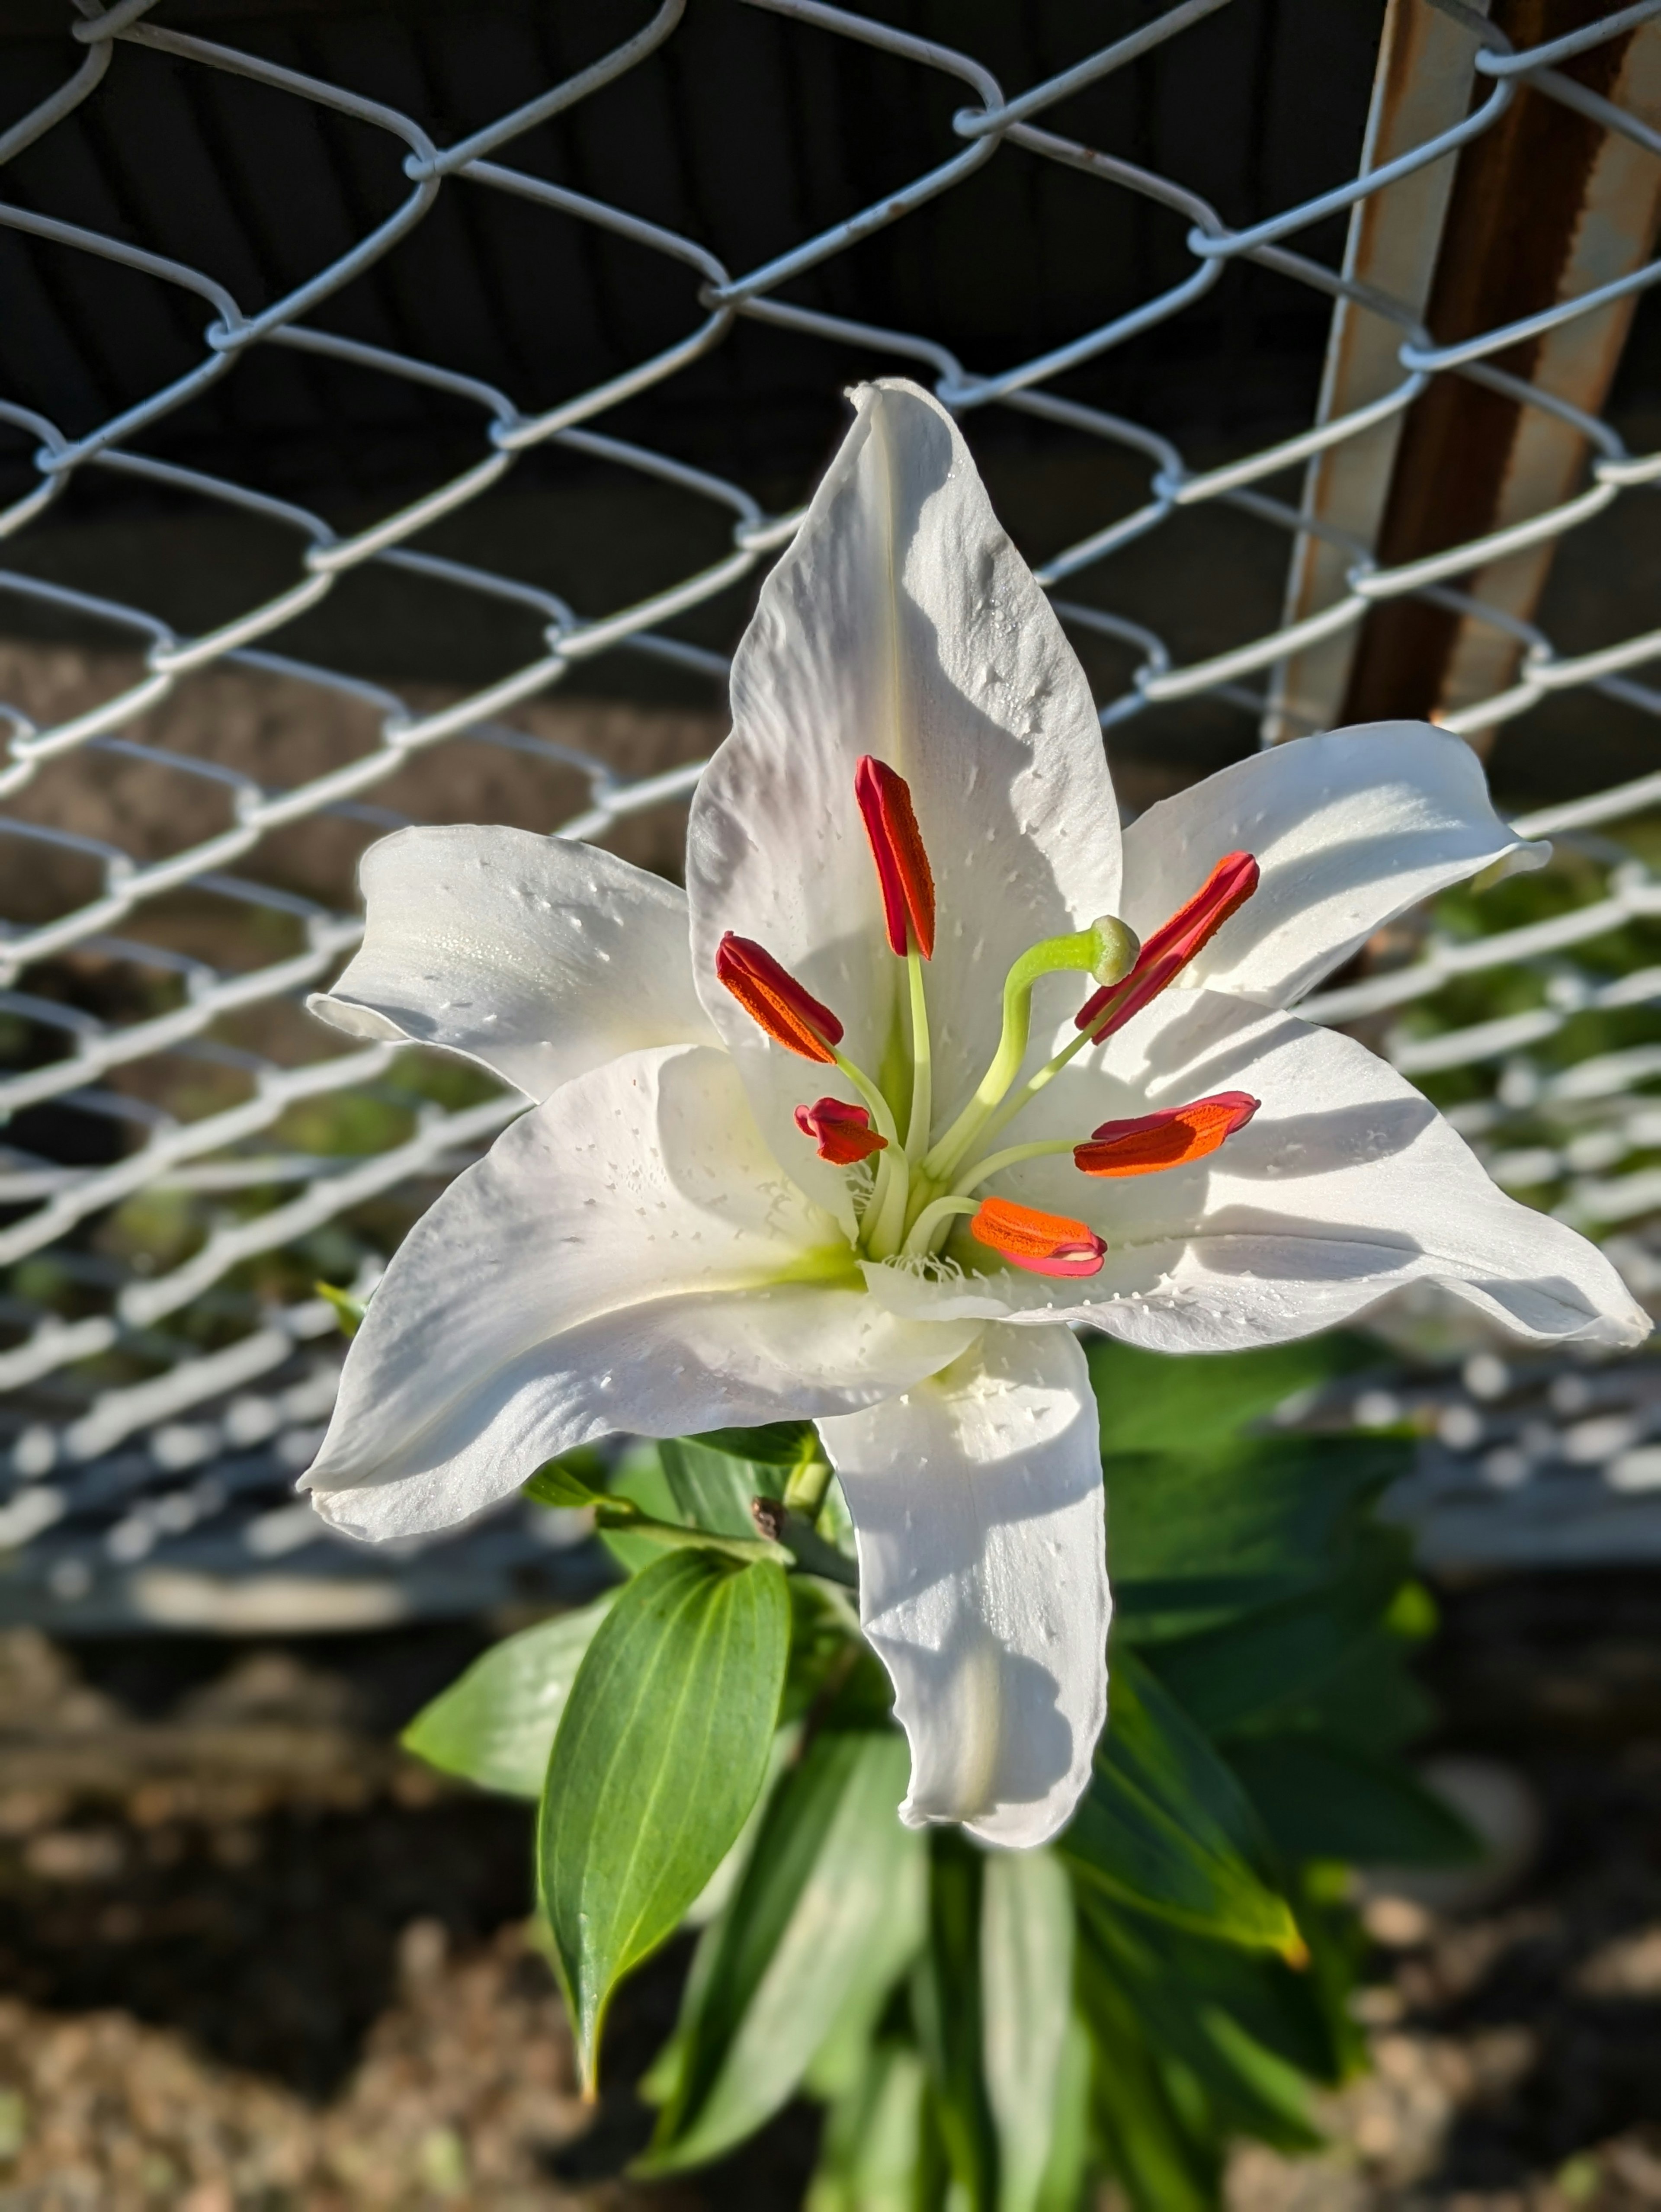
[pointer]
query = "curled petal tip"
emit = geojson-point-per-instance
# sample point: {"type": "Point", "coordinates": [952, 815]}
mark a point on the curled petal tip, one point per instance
{"type": "Point", "coordinates": [906, 879]}
{"type": "Point", "coordinates": [773, 1000]}
{"type": "Point", "coordinates": [1170, 1139]}
{"type": "Point", "coordinates": [842, 1133]}
{"type": "Point", "coordinates": [1041, 1243]}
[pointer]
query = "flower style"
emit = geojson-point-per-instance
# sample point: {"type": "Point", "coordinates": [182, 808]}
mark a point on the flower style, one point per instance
{"type": "Point", "coordinates": [921, 1069]}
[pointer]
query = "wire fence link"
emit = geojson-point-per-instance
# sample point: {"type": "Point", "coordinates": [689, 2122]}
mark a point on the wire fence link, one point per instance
{"type": "Point", "coordinates": [212, 1366]}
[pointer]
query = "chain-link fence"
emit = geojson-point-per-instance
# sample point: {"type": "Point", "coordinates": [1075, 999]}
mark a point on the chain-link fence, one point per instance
{"type": "Point", "coordinates": [185, 1154]}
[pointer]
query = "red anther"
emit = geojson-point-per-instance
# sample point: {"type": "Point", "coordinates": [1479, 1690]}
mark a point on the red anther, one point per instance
{"type": "Point", "coordinates": [842, 1133]}
{"type": "Point", "coordinates": [1042, 1243]}
{"type": "Point", "coordinates": [902, 869]}
{"type": "Point", "coordinates": [1165, 954]}
{"type": "Point", "coordinates": [1169, 1138]}
{"type": "Point", "coordinates": [771, 996]}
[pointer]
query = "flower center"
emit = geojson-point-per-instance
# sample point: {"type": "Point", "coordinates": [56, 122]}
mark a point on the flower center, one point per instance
{"type": "Point", "coordinates": [920, 1189]}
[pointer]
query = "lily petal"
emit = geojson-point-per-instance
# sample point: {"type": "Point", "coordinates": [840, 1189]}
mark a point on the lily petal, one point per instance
{"type": "Point", "coordinates": [976, 1500]}
{"type": "Point", "coordinates": [1346, 1184]}
{"type": "Point", "coordinates": [627, 1257]}
{"type": "Point", "coordinates": [901, 623]}
{"type": "Point", "coordinates": [535, 957]}
{"type": "Point", "coordinates": [1349, 829]}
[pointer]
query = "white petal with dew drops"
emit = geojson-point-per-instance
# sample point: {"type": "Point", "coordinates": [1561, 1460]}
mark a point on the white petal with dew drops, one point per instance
{"type": "Point", "coordinates": [534, 956]}
{"type": "Point", "coordinates": [1348, 1184]}
{"type": "Point", "coordinates": [627, 1257]}
{"type": "Point", "coordinates": [901, 622]}
{"type": "Point", "coordinates": [1350, 829]}
{"type": "Point", "coordinates": [976, 1500]}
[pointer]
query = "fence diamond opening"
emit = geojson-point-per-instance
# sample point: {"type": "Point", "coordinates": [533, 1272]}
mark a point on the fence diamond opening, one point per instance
{"type": "Point", "coordinates": [166, 1365]}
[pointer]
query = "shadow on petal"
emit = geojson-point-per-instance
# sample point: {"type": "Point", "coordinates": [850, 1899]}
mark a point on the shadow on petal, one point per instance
{"type": "Point", "coordinates": [1290, 1146]}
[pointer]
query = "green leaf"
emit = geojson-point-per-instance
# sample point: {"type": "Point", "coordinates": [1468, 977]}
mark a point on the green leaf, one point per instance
{"type": "Point", "coordinates": [1267, 1663]}
{"type": "Point", "coordinates": [713, 1486]}
{"type": "Point", "coordinates": [875, 2150]}
{"type": "Point", "coordinates": [1193, 1540]}
{"type": "Point", "coordinates": [661, 1750]}
{"type": "Point", "coordinates": [639, 1481]}
{"type": "Point", "coordinates": [1026, 1982]}
{"type": "Point", "coordinates": [826, 1916]}
{"type": "Point", "coordinates": [1166, 2162]}
{"type": "Point", "coordinates": [784, 1444]}
{"type": "Point", "coordinates": [948, 2004]}
{"type": "Point", "coordinates": [564, 1482]}
{"type": "Point", "coordinates": [495, 1723]}
{"type": "Point", "coordinates": [1281, 2007]}
{"type": "Point", "coordinates": [1165, 1825]}
{"type": "Point", "coordinates": [1061, 2185]}
{"type": "Point", "coordinates": [1191, 2011]}
{"type": "Point", "coordinates": [1321, 1800]}
{"type": "Point", "coordinates": [1167, 1402]}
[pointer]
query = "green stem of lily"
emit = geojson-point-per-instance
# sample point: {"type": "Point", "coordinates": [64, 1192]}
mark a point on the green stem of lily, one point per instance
{"type": "Point", "coordinates": [1106, 950]}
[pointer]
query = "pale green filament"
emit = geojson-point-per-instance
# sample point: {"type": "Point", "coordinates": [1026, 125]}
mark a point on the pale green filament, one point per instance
{"type": "Point", "coordinates": [1107, 951]}
{"type": "Point", "coordinates": [922, 1066]}
{"type": "Point", "coordinates": [925, 1231]}
{"type": "Point", "coordinates": [917, 1192]}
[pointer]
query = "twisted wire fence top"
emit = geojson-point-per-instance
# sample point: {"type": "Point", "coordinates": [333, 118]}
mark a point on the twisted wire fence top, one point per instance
{"type": "Point", "coordinates": [132, 1358]}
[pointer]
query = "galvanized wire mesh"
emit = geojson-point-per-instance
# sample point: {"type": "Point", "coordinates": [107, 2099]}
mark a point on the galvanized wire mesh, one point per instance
{"type": "Point", "coordinates": [143, 1405]}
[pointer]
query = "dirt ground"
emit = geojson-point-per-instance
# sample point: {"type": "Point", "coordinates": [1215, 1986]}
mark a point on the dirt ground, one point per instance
{"type": "Point", "coordinates": [253, 1960]}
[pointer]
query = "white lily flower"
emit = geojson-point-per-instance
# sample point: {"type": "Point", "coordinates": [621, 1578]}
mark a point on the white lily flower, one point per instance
{"type": "Point", "coordinates": [822, 1137]}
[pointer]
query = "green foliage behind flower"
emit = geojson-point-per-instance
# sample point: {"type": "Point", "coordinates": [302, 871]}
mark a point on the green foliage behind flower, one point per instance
{"type": "Point", "coordinates": [714, 1740]}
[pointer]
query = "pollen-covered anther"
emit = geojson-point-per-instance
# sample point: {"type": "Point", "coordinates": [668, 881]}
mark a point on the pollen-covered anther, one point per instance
{"type": "Point", "coordinates": [1172, 946]}
{"type": "Point", "coordinates": [1042, 1243]}
{"type": "Point", "coordinates": [1169, 1138]}
{"type": "Point", "coordinates": [904, 874]}
{"type": "Point", "coordinates": [842, 1133]}
{"type": "Point", "coordinates": [773, 1000]}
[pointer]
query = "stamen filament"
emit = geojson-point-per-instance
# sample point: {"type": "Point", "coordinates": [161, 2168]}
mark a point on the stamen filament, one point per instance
{"type": "Point", "coordinates": [982, 1170]}
{"type": "Point", "coordinates": [885, 1217]}
{"type": "Point", "coordinates": [882, 1114]}
{"type": "Point", "coordinates": [922, 1066]}
{"type": "Point", "coordinates": [934, 1217]}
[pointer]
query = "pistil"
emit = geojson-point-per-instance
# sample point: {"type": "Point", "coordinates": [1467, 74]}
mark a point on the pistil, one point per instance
{"type": "Point", "coordinates": [1107, 951]}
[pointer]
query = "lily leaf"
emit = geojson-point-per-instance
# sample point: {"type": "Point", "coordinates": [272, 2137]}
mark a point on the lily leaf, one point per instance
{"type": "Point", "coordinates": [494, 1725]}
{"type": "Point", "coordinates": [1197, 1538]}
{"type": "Point", "coordinates": [948, 2004]}
{"type": "Point", "coordinates": [1162, 1401]}
{"type": "Point", "coordinates": [824, 1918]}
{"type": "Point", "coordinates": [1321, 1800]}
{"type": "Point", "coordinates": [660, 1754]}
{"type": "Point", "coordinates": [712, 1485]}
{"type": "Point", "coordinates": [1166, 1827]}
{"type": "Point", "coordinates": [1268, 1664]}
{"type": "Point", "coordinates": [1026, 1976]}
{"type": "Point", "coordinates": [560, 1483]}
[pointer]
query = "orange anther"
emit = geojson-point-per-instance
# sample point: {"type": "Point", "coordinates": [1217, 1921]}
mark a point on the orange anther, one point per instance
{"type": "Point", "coordinates": [1169, 1138]}
{"type": "Point", "coordinates": [1042, 1243]}
{"type": "Point", "coordinates": [1172, 946]}
{"type": "Point", "coordinates": [771, 996]}
{"type": "Point", "coordinates": [902, 869]}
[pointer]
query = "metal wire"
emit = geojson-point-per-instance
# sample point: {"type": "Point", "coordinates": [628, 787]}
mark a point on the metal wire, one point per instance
{"type": "Point", "coordinates": [1594, 1117]}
